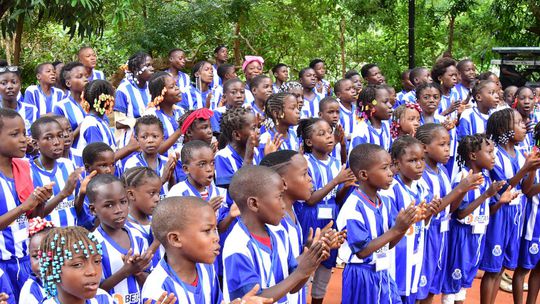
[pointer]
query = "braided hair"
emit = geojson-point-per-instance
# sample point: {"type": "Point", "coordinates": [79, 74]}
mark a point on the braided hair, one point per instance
{"type": "Point", "coordinates": [278, 160]}
{"type": "Point", "coordinates": [400, 144]}
{"type": "Point", "coordinates": [94, 90]}
{"type": "Point", "coordinates": [274, 105]}
{"type": "Point", "coordinates": [136, 176]}
{"type": "Point", "coordinates": [500, 126]}
{"type": "Point", "coordinates": [136, 61]}
{"type": "Point", "coordinates": [467, 145]}
{"type": "Point", "coordinates": [305, 130]}
{"type": "Point", "coordinates": [479, 86]}
{"type": "Point", "coordinates": [157, 83]}
{"type": "Point", "coordinates": [287, 87]}
{"type": "Point", "coordinates": [364, 104]}
{"type": "Point", "coordinates": [425, 132]}
{"type": "Point", "coordinates": [233, 119]}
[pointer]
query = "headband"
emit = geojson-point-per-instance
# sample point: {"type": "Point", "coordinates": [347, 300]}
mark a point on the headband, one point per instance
{"type": "Point", "coordinates": [203, 113]}
{"type": "Point", "coordinates": [249, 59]}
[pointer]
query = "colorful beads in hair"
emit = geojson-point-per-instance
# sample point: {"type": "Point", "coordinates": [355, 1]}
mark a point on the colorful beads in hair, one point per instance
{"type": "Point", "coordinates": [104, 104]}
{"type": "Point", "coordinates": [395, 127]}
{"type": "Point", "coordinates": [159, 99]}
{"type": "Point", "coordinates": [37, 224]}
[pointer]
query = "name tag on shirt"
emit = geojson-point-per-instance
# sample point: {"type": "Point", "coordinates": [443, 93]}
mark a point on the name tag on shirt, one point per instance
{"type": "Point", "coordinates": [382, 260]}
{"type": "Point", "coordinates": [479, 228]}
{"type": "Point", "coordinates": [20, 236]}
{"type": "Point", "coordinates": [445, 225]}
{"type": "Point", "coordinates": [325, 212]}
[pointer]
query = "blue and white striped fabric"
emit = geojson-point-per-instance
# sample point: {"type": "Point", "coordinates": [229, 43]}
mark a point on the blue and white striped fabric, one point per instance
{"type": "Point", "coordinates": [462, 91]}
{"type": "Point", "coordinates": [409, 97]}
{"type": "Point", "coordinates": [296, 239]}
{"type": "Point", "coordinates": [14, 238]}
{"type": "Point", "coordinates": [400, 95]}
{"type": "Point", "coordinates": [96, 74]}
{"type": "Point", "coordinates": [216, 81]}
{"type": "Point", "coordinates": [130, 99]}
{"type": "Point", "coordinates": [248, 262]}
{"type": "Point", "coordinates": [34, 95]}
{"type": "Point", "coordinates": [409, 252]}
{"type": "Point", "coordinates": [64, 214]}
{"type": "Point", "coordinates": [290, 143]}
{"type": "Point", "coordinates": [102, 297]}
{"type": "Point", "coordinates": [185, 188]}
{"type": "Point", "coordinates": [138, 160]}
{"type": "Point", "coordinates": [347, 119]}
{"type": "Point", "coordinates": [170, 124]}
{"type": "Point", "coordinates": [28, 113]}
{"type": "Point", "coordinates": [325, 86]}
{"type": "Point", "coordinates": [164, 278]}
{"type": "Point", "coordinates": [471, 122]}
{"type": "Point", "coordinates": [256, 110]}
{"type": "Point", "coordinates": [95, 129]}
{"type": "Point", "coordinates": [480, 211]}
{"type": "Point", "coordinates": [32, 291]}
{"type": "Point", "coordinates": [228, 161]}
{"type": "Point", "coordinates": [71, 109]}
{"type": "Point", "coordinates": [182, 81]}
{"type": "Point", "coordinates": [195, 99]}
{"type": "Point", "coordinates": [249, 96]}
{"type": "Point", "coordinates": [275, 88]}
{"type": "Point", "coordinates": [310, 108]}
{"type": "Point", "coordinates": [529, 249]}
{"type": "Point", "coordinates": [366, 133]}
{"type": "Point", "coordinates": [128, 290]}
{"type": "Point", "coordinates": [448, 100]}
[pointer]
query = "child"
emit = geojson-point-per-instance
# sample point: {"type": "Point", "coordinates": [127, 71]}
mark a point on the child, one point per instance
{"type": "Point", "coordinates": [509, 95]}
{"type": "Point", "coordinates": [195, 125]}
{"type": "Point", "coordinates": [124, 250]}
{"type": "Point", "coordinates": [437, 147]}
{"type": "Point", "coordinates": [331, 181]}
{"type": "Point", "coordinates": [200, 93]}
{"type": "Point", "coordinates": [70, 262]}
{"type": "Point", "coordinates": [428, 97]}
{"type": "Point", "coordinates": [69, 151]}
{"type": "Point", "coordinates": [252, 66]}
{"type": "Point", "coordinates": [282, 110]}
{"type": "Point", "coordinates": [233, 98]}
{"type": "Point", "coordinates": [295, 88]}
{"type": "Point", "coordinates": [405, 120]}
{"type": "Point", "coordinates": [469, 221]}
{"type": "Point", "coordinates": [261, 89]}
{"type": "Point", "coordinates": [346, 94]}
{"type": "Point", "coordinates": [408, 160]}
{"type": "Point", "coordinates": [371, 230]}
{"type": "Point", "coordinates": [149, 135]}
{"type": "Point", "coordinates": [88, 57]}
{"type": "Point", "coordinates": [177, 62]}
{"type": "Point", "coordinates": [524, 104]}
{"type": "Point", "coordinates": [373, 111]}
{"type": "Point", "coordinates": [507, 130]}
{"type": "Point", "coordinates": [221, 56]}
{"type": "Point", "coordinates": [58, 66]}
{"type": "Point", "coordinates": [445, 73]}
{"type": "Point", "coordinates": [406, 85]}
{"type": "Point", "coordinates": [281, 76]}
{"type": "Point", "coordinates": [308, 80]}
{"type": "Point", "coordinates": [165, 95]}
{"type": "Point", "coordinates": [73, 77]}
{"type": "Point", "coordinates": [418, 76]}
{"type": "Point", "coordinates": [354, 76]}
{"type": "Point", "coordinates": [391, 94]}
{"type": "Point", "coordinates": [322, 87]}
{"type": "Point", "coordinates": [372, 74]}
{"type": "Point", "coordinates": [44, 95]}
{"type": "Point", "coordinates": [10, 78]}
{"type": "Point", "coordinates": [257, 251]}
{"type": "Point", "coordinates": [186, 226]}
{"type": "Point", "coordinates": [330, 112]}
{"type": "Point", "coordinates": [467, 76]}
{"type": "Point", "coordinates": [51, 167]}
{"type": "Point", "coordinates": [225, 72]}
{"type": "Point", "coordinates": [474, 120]}
{"type": "Point", "coordinates": [18, 199]}
{"type": "Point", "coordinates": [33, 291]}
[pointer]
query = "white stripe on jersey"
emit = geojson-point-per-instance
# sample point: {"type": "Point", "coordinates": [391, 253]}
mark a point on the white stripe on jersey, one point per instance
{"type": "Point", "coordinates": [95, 129]}
{"type": "Point", "coordinates": [131, 100]}
{"type": "Point", "coordinates": [228, 161]}
{"type": "Point", "coordinates": [102, 297]}
{"type": "Point", "coordinates": [471, 122]}
{"type": "Point", "coordinates": [32, 291]}
{"type": "Point", "coordinates": [366, 133]}
{"type": "Point", "coordinates": [35, 96]}
{"type": "Point", "coordinates": [138, 160]}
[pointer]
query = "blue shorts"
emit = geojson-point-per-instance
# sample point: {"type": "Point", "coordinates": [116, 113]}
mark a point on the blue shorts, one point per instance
{"type": "Point", "coordinates": [503, 239]}
{"type": "Point", "coordinates": [410, 299]}
{"type": "Point", "coordinates": [529, 255]}
{"type": "Point", "coordinates": [465, 251]}
{"type": "Point", "coordinates": [17, 271]}
{"type": "Point", "coordinates": [434, 264]}
{"type": "Point", "coordinates": [362, 284]}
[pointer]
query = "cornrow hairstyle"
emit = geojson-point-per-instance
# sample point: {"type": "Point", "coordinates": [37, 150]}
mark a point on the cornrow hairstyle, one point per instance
{"type": "Point", "coordinates": [7, 113]}
{"type": "Point", "coordinates": [157, 83]}
{"type": "Point", "coordinates": [136, 61]}
{"type": "Point", "coordinates": [351, 73]}
{"type": "Point", "coordinates": [287, 87]}
{"type": "Point", "coordinates": [234, 119]}
{"type": "Point", "coordinates": [365, 69]}
{"type": "Point", "coordinates": [364, 104]}
{"type": "Point", "coordinates": [461, 64]}
{"type": "Point", "coordinates": [40, 67]}
{"type": "Point", "coordinates": [425, 132]}
{"type": "Point", "coordinates": [91, 151]}
{"type": "Point", "coordinates": [326, 101]}
{"type": "Point", "coordinates": [97, 181]}
{"type": "Point", "coordinates": [171, 52]}
{"type": "Point", "coordinates": [137, 176]}
{"type": "Point", "coordinates": [95, 88]}
{"type": "Point", "coordinates": [274, 104]}
{"type": "Point", "coordinates": [278, 66]}
{"type": "Point", "coordinates": [364, 156]}
{"type": "Point", "coordinates": [60, 245]}
{"type": "Point", "coordinates": [303, 71]}
{"type": "Point", "coordinates": [197, 67]}
{"type": "Point", "coordinates": [467, 145]}
{"type": "Point", "coordinates": [65, 72]}
{"type": "Point", "coordinates": [478, 86]}
{"type": "Point", "coordinates": [425, 86]}
{"type": "Point", "coordinates": [314, 62]}
{"type": "Point", "coordinates": [223, 69]}
{"type": "Point", "coordinates": [305, 130]}
{"type": "Point", "coordinates": [35, 128]}
{"type": "Point", "coordinates": [439, 68]}
{"type": "Point", "coordinates": [339, 84]}
{"type": "Point", "coordinates": [257, 80]}
{"type": "Point", "coordinates": [416, 72]}
{"type": "Point", "coordinates": [400, 144]}
{"type": "Point", "coordinates": [278, 160]}
{"type": "Point", "coordinates": [147, 120]}
{"type": "Point", "coordinates": [227, 84]}
{"type": "Point", "coordinates": [189, 149]}
{"type": "Point", "coordinates": [500, 126]}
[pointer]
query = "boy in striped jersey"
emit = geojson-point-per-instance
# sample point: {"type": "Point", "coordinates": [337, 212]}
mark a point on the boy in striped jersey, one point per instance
{"type": "Point", "coordinates": [44, 95]}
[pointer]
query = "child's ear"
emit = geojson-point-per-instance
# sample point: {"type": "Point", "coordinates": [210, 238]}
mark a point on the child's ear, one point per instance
{"type": "Point", "coordinates": [130, 195]}
{"type": "Point", "coordinates": [472, 156]}
{"type": "Point", "coordinates": [185, 168]}
{"type": "Point", "coordinates": [236, 135]}
{"type": "Point", "coordinates": [253, 204]}
{"type": "Point", "coordinates": [320, 114]}
{"type": "Point", "coordinates": [68, 83]}
{"type": "Point", "coordinates": [174, 239]}
{"type": "Point", "coordinates": [425, 148]}
{"type": "Point", "coordinates": [308, 142]}
{"type": "Point", "coordinates": [362, 175]}
{"type": "Point", "coordinates": [92, 208]}
{"type": "Point", "coordinates": [34, 143]}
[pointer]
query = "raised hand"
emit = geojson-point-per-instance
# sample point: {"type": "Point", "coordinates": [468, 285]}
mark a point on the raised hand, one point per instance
{"type": "Point", "coordinates": [405, 218]}
{"type": "Point", "coordinates": [471, 181]}
{"type": "Point", "coordinates": [274, 144]}
{"type": "Point", "coordinates": [345, 175]}
{"type": "Point", "coordinates": [71, 182]}
{"type": "Point", "coordinates": [495, 187]}
{"type": "Point", "coordinates": [85, 182]}
{"type": "Point", "coordinates": [38, 196]}
{"type": "Point", "coordinates": [163, 299]}
{"type": "Point", "coordinates": [216, 202]}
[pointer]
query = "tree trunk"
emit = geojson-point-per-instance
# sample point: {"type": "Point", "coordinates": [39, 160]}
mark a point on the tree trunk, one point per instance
{"type": "Point", "coordinates": [342, 45]}
{"type": "Point", "coordinates": [237, 55]}
{"type": "Point", "coordinates": [18, 39]}
{"type": "Point", "coordinates": [451, 34]}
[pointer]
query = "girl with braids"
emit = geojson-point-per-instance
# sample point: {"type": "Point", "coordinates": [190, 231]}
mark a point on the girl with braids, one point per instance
{"type": "Point", "coordinates": [445, 73]}
{"type": "Point", "coordinates": [331, 180]}
{"type": "Point", "coordinates": [373, 111]}
{"type": "Point", "coordinates": [200, 93]}
{"type": "Point", "coordinates": [468, 224]}
{"type": "Point", "coordinates": [295, 88]}
{"type": "Point", "coordinates": [233, 97]}
{"type": "Point", "coordinates": [165, 95]}
{"type": "Point", "coordinates": [405, 120]}
{"type": "Point", "coordinates": [282, 110]}
{"type": "Point", "coordinates": [436, 141]}
{"type": "Point", "coordinates": [32, 291]}
{"type": "Point", "coordinates": [99, 102]}
{"type": "Point", "coordinates": [473, 120]}
{"type": "Point", "coordinates": [507, 129]}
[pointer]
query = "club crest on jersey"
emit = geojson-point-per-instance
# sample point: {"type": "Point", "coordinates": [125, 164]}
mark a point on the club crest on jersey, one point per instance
{"type": "Point", "coordinates": [423, 281]}
{"type": "Point", "coordinates": [534, 248]}
{"type": "Point", "coordinates": [456, 275]}
{"type": "Point", "coordinates": [496, 250]}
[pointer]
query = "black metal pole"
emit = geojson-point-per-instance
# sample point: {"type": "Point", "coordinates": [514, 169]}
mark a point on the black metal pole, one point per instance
{"type": "Point", "coordinates": [411, 34]}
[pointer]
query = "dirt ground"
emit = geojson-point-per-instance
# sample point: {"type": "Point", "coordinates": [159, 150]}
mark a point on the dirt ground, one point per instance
{"type": "Point", "coordinates": [473, 295]}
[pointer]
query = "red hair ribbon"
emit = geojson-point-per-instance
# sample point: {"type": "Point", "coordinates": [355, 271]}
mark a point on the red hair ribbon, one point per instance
{"type": "Point", "coordinates": [203, 113]}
